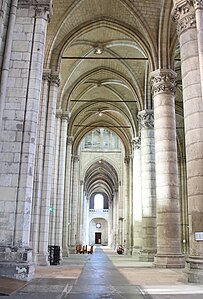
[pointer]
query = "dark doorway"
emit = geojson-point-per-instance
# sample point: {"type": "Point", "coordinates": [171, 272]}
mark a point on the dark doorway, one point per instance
{"type": "Point", "coordinates": [97, 238]}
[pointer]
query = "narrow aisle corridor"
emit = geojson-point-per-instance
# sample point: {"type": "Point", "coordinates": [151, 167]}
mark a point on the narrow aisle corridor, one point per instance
{"type": "Point", "coordinates": [100, 279]}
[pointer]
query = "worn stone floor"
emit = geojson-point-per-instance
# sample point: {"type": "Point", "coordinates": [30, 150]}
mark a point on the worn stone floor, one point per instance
{"type": "Point", "coordinates": [102, 275]}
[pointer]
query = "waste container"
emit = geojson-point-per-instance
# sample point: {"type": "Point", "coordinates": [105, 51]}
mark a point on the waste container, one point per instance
{"type": "Point", "coordinates": [54, 254]}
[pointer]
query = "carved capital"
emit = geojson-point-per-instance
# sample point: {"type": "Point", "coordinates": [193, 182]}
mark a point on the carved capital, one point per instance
{"type": "Point", "coordinates": [59, 113]}
{"type": "Point", "coordinates": [146, 119]}
{"type": "Point", "coordinates": [65, 116]}
{"type": "Point", "coordinates": [42, 13]}
{"type": "Point", "coordinates": [184, 15]}
{"type": "Point", "coordinates": [70, 140]}
{"type": "Point", "coordinates": [75, 159]}
{"type": "Point", "coordinates": [127, 160]}
{"type": "Point", "coordinates": [43, 8]}
{"type": "Point", "coordinates": [163, 81]}
{"type": "Point", "coordinates": [198, 4]}
{"type": "Point", "coordinates": [136, 143]}
{"type": "Point", "coordinates": [46, 75]}
{"type": "Point", "coordinates": [55, 80]}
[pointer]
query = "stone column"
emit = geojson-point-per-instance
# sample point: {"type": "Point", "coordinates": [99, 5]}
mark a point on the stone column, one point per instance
{"type": "Point", "coordinates": [54, 187]}
{"type": "Point", "coordinates": [74, 202]}
{"type": "Point", "coordinates": [38, 177]}
{"type": "Point", "coordinates": [20, 119]}
{"type": "Point", "coordinates": [137, 197]}
{"type": "Point", "coordinates": [127, 217]}
{"type": "Point", "coordinates": [67, 197]}
{"type": "Point", "coordinates": [198, 5]}
{"type": "Point", "coordinates": [115, 220]}
{"type": "Point", "coordinates": [183, 204]}
{"type": "Point", "coordinates": [184, 15]}
{"type": "Point", "coordinates": [3, 12]}
{"type": "Point", "coordinates": [168, 211]}
{"type": "Point", "coordinates": [61, 180]}
{"type": "Point", "coordinates": [148, 184]}
{"type": "Point", "coordinates": [42, 256]}
{"type": "Point", "coordinates": [85, 220]}
{"type": "Point", "coordinates": [81, 212]}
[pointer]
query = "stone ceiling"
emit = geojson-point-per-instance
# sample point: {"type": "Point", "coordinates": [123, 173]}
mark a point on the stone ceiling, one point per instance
{"type": "Point", "coordinates": [108, 88]}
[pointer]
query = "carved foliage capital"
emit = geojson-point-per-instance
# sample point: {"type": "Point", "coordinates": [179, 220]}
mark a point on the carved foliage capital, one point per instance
{"type": "Point", "coordinates": [70, 140]}
{"type": "Point", "coordinates": [75, 159]}
{"type": "Point", "coordinates": [163, 81]}
{"type": "Point", "coordinates": [58, 113]}
{"type": "Point", "coordinates": [55, 80]}
{"type": "Point", "coordinates": [127, 160]}
{"type": "Point", "coordinates": [65, 116]}
{"type": "Point", "coordinates": [46, 77]}
{"type": "Point", "coordinates": [146, 119]}
{"type": "Point", "coordinates": [136, 143]}
{"type": "Point", "coordinates": [184, 15]}
{"type": "Point", "coordinates": [198, 4]}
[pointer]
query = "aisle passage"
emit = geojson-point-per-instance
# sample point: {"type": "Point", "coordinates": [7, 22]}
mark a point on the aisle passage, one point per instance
{"type": "Point", "coordinates": [99, 279]}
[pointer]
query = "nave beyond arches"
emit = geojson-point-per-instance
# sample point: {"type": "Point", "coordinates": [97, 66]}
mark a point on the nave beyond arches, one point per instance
{"type": "Point", "coordinates": [101, 97]}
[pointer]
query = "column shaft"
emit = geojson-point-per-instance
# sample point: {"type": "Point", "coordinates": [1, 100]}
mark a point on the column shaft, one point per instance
{"type": "Point", "coordinates": [137, 197]}
{"type": "Point", "coordinates": [75, 199]}
{"type": "Point", "coordinates": [38, 178]}
{"type": "Point", "coordinates": [61, 181]}
{"type": "Point", "coordinates": [193, 115]}
{"type": "Point", "coordinates": [54, 190]}
{"type": "Point", "coordinates": [148, 186]}
{"type": "Point", "coordinates": [127, 216]}
{"type": "Point", "coordinates": [42, 257]}
{"type": "Point", "coordinates": [168, 211]}
{"type": "Point", "coordinates": [198, 4]}
{"type": "Point", "coordinates": [67, 195]}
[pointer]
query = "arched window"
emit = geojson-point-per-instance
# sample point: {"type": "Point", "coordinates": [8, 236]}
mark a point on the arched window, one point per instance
{"type": "Point", "coordinates": [98, 202]}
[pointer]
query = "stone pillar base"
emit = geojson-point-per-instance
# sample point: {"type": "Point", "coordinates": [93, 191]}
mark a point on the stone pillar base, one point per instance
{"type": "Point", "coordinates": [128, 251]}
{"type": "Point", "coordinates": [71, 249]}
{"type": "Point", "coordinates": [41, 259]}
{"type": "Point", "coordinates": [136, 253]}
{"type": "Point", "coordinates": [194, 269]}
{"type": "Point", "coordinates": [169, 261]}
{"type": "Point", "coordinates": [147, 255]}
{"type": "Point", "coordinates": [65, 252]}
{"type": "Point", "coordinates": [16, 262]}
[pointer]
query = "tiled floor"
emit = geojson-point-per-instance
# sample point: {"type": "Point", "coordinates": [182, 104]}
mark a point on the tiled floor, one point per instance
{"type": "Point", "coordinates": [104, 274]}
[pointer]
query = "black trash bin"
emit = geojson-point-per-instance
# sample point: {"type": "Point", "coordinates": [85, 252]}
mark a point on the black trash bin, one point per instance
{"type": "Point", "coordinates": [54, 254]}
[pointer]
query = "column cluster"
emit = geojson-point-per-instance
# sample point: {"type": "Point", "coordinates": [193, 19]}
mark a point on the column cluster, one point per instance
{"type": "Point", "coordinates": [20, 109]}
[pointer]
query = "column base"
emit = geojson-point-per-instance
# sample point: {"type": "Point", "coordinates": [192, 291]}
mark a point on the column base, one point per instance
{"type": "Point", "coordinates": [169, 261]}
{"type": "Point", "coordinates": [136, 253]}
{"type": "Point", "coordinates": [194, 269]}
{"type": "Point", "coordinates": [41, 259]}
{"type": "Point", "coordinates": [71, 249]}
{"type": "Point", "coordinates": [147, 255]}
{"type": "Point", "coordinates": [65, 252]}
{"type": "Point", "coordinates": [16, 262]}
{"type": "Point", "coordinates": [128, 251]}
